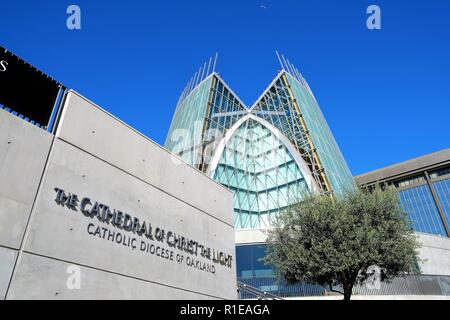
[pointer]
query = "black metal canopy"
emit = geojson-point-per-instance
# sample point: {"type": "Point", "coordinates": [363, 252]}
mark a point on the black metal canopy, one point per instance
{"type": "Point", "coordinates": [25, 89]}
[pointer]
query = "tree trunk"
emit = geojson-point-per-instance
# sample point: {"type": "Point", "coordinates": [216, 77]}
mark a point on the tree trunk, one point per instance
{"type": "Point", "coordinates": [347, 284]}
{"type": "Point", "coordinates": [347, 292]}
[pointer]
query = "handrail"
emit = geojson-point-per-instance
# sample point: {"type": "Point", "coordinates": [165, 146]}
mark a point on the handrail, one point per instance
{"type": "Point", "coordinates": [417, 284]}
{"type": "Point", "coordinates": [259, 294]}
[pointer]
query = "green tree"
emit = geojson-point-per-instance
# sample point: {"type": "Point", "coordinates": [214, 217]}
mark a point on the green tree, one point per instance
{"type": "Point", "coordinates": [334, 240]}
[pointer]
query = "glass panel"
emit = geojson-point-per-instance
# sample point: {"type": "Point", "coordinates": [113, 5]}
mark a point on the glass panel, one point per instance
{"type": "Point", "coordinates": [261, 179]}
{"type": "Point", "coordinates": [252, 271]}
{"type": "Point", "coordinates": [184, 136]}
{"type": "Point", "coordinates": [418, 203]}
{"type": "Point", "coordinates": [442, 188]}
{"type": "Point", "coordinates": [336, 168]}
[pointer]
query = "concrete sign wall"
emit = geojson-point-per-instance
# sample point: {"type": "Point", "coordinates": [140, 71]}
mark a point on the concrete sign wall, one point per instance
{"type": "Point", "coordinates": [24, 149]}
{"type": "Point", "coordinates": [117, 217]}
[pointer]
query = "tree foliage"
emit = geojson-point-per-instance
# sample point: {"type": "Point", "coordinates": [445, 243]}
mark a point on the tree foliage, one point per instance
{"type": "Point", "coordinates": [333, 241]}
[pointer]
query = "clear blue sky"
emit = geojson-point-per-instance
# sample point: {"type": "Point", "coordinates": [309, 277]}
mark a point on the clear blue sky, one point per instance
{"type": "Point", "coordinates": [385, 94]}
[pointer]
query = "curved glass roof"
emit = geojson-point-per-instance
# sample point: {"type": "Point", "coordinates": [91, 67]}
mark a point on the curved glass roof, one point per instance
{"type": "Point", "coordinates": [264, 176]}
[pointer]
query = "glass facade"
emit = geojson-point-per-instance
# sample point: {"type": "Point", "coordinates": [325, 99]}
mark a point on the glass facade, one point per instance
{"type": "Point", "coordinates": [261, 172]}
{"type": "Point", "coordinates": [185, 133]}
{"type": "Point", "coordinates": [274, 153]}
{"type": "Point", "coordinates": [427, 212]}
{"type": "Point", "coordinates": [250, 264]}
{"type": "Point", "coordinates": [333, 162]}
{"type": "Point", "coordinates": [418, 203]}
{"type": "Point", "coordinates": [441, 185]}
{"type": "Point", "coordinates": [253, 272]}
{"type": "Point", "coordinates": [442, 188]}
{"type": "Point", "coordinates": [269, 155]}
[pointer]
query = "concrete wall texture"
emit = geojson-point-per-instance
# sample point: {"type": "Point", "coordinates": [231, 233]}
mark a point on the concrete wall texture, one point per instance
{"type": "Point", "coordinates": [95, 155]}
{"type": "Point", "coordinates": [435, 255]}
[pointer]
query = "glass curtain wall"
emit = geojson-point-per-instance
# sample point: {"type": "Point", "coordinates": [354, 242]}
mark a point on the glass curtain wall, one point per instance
{"type": "Point", "coordinates": [255, 164]}
{"type": "Point", "coordinates": [262, 173]}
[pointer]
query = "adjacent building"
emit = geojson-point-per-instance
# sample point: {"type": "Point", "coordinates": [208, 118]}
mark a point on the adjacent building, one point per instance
{"type": "Point", "coordinates": [424, 188]}
{"type": "Point", "coordinates": [269, 154]}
